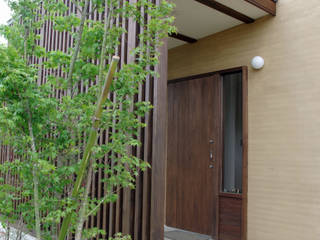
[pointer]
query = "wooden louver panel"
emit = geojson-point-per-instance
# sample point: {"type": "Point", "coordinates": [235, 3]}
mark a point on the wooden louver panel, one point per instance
{"type": "Point", "coordinates": [138, 212]}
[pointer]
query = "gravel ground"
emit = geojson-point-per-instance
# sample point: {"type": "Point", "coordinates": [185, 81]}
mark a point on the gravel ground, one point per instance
{"type": "Point", "coordinates": [13, 234]}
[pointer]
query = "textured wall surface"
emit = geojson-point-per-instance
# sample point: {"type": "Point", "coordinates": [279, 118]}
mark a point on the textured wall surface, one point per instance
{"type": "Point", "coordinates": [284, 114]}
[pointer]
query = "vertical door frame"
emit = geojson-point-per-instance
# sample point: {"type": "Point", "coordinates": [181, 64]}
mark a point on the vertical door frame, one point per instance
{"type": "Point", "coordinates": [244, 196]}
{"type": "Point", "coordinates": [244, 215]}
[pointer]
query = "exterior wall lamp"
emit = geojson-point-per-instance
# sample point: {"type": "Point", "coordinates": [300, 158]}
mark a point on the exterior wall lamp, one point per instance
{"type": "Point", "coordinates": [257, 62]}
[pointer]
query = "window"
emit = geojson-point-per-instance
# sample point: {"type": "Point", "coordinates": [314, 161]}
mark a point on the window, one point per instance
{"type": "Point", "coordinates": [232, 133]}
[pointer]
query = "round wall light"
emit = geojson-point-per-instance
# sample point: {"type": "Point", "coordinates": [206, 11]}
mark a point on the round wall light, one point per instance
{"type": "Point", "coordinates": [257, 62]}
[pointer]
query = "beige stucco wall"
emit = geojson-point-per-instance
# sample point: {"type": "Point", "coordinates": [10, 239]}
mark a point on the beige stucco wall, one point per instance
{"type": "Point", "coordinates": [284, 114]}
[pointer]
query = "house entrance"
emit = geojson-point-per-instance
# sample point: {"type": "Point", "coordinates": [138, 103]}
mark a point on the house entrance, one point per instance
{"type": "Point", "coordinates": [205, 155]}
{"type": "Point", "coordinates": [194, 145]}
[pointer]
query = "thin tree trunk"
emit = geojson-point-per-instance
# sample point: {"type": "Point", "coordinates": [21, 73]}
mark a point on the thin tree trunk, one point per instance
{"type": "Point", "coordinates": [8, 231]}
{"type": "Point", "coordinates": [90, 143]}
{"type": "Point", "coordinates": [84, 204]}
{"type": "Point", "coordinates": [104, 45]}
{"type": "Point", "coordinates": [19, 229]}
{"type": "Point", "coordinates": [25, 45]}
{"type": "Point", "coordinates": [77, 47]}
{"type": "Point", "coordinates": [35, 170]}
{"type": "Point", "coordinates": [33, 149]}
{"type": "Point", "coordinates": [75, 56]}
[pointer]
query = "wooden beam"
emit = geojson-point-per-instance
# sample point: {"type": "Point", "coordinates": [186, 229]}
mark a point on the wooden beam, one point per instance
{"type": "Point", "coordinates": [183, 37]}
{"type": "Point", "coordinates": [227, 10]}
{"type": "Point", "coordinates": [266, 5]}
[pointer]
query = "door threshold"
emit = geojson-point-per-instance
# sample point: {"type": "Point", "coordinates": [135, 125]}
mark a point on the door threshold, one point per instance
{"type": "Point", "coordinates": [171, 233]}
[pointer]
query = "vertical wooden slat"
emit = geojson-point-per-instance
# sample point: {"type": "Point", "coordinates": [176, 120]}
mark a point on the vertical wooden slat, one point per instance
{"type": "Point", "coordinates": [127, 214]}
{"type": "Point", "coordinates": [123, 60]}
{"type": "Point", "coordinates": [137, 232]}
{"type": "Point", "coordinates": [159, 147]}
{"type": "Point", "coordinates": [105, 209]}
{"type": "Point", "coordinates": [111, 206]}
{"type": "Point", "coordinates": [147, 157]}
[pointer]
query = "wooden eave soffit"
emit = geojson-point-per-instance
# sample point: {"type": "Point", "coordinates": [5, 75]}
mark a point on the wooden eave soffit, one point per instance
{"type": "Point", "coordinates": [266, 5]}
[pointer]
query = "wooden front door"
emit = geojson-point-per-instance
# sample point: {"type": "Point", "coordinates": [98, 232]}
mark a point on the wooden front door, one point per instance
{"type": "Point", "coordinates": [194, 146]}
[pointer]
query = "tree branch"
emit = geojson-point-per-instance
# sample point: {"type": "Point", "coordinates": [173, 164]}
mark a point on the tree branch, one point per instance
{"type": "Point", "coordinates": [104, 47]}
{"type": "Point", "coordinates": [35, 170]}
{"type": "Point", "coordinates": [77, 47]}
{"type": "Point", "coordinates": [101, 202]}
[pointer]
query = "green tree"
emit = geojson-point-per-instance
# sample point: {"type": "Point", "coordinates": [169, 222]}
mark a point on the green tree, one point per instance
{"type": "Point", "coordinates": [54, 140]}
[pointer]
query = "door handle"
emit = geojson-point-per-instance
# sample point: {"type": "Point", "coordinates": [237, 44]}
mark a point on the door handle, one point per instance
{"type": "Point", "coordinates": [211, 156]}
{"type": "Point", "coordinates": [210, 166]}
{"type": "Point", "coordinates": [211, 142]}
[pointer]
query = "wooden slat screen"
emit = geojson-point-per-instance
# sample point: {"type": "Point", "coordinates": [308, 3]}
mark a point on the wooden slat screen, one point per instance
{"type": "Point", "coordinates": [138, 212]}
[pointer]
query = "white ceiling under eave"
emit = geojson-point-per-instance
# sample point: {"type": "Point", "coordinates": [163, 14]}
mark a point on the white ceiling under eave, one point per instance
{"type": "Point", "coordinates": [196, 20]}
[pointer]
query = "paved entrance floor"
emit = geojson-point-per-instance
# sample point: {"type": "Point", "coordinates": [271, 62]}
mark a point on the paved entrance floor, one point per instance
{"type": "Point", "coordinates": [178, 234]}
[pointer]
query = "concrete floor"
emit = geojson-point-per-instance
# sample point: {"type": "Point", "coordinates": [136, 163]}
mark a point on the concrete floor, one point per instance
{"type": "Point", "coordinates": [178, 234]}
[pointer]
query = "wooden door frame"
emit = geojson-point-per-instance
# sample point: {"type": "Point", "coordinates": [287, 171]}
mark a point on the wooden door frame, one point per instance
{"type": "Point", "coordinates": [244, 195]}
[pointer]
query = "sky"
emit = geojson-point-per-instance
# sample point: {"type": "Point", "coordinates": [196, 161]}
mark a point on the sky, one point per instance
{"type": "Point", "coordinates": [4, 15]}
